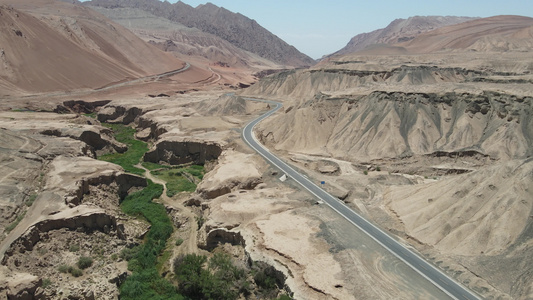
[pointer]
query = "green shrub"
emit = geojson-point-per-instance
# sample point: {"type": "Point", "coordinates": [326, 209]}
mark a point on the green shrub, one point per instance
{"type": "Point", "coordinates": [76, 272]}
{"type": "Point", "coordinates": [74, 248]}
{"type": "Point", "coordinates": [129, 253]}
{"type": "Point", "coordinates": [84, 262]}
{"type": "Point", "coordinates": [31, 199]}
{"type": "Point", "coordinates": [14, 224]}
{"type": "Point", "coordinates": [200, 221]}
{"type": "Point", "coordinates": [264, 281]}
{"type": "Point", "coordinates": [378, 168]}
{"type": "Point", "coordinates": [365, 172]}
{"type": "Point", "coordinates": [63, 268]}
{"type": "Point", "coordinates": [179, 242]}
{"type": "Point", "coordinates": [217, 278]}
{"type": "Point", "coordinates": [46, 283]}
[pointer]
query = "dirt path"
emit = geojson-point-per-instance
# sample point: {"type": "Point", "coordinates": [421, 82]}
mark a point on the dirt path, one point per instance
{"type": "Point", "coordinates": [190, 240]}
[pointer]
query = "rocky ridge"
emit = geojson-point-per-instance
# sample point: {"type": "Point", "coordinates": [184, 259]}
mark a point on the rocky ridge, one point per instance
{"type": "Point", "coordinates": [187, 43]}
{"type": "Point", "coordinates": [232, 27]}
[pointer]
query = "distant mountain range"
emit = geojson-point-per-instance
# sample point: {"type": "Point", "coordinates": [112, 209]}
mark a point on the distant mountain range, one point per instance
{"type": "Point", "coordinates": [493, 34]}
{"type": "Point", "coordinates": [399, 30]}
{"type": "Point", "coordinates": [437, 34]}
{"type": "Point", "coordinates": [235, 28]}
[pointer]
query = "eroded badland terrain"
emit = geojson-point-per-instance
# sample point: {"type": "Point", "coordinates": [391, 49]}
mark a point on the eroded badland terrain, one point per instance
{"type": "Point", "coordinates": [123, 170]}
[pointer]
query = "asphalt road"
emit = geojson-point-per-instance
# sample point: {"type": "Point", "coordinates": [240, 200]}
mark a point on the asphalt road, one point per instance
{"type": "Point", "coordinates": [415, 261]}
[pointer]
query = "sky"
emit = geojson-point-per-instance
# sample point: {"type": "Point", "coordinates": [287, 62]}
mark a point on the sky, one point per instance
{"type": "Point", "coordinates": [321, 27]}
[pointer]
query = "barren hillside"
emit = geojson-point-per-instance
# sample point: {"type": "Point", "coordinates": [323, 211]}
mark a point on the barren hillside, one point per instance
{"type": "Point", "coordinates": [185, 42]}
{"type": "Point", "coordinates": [46, 44]}
{"type": "Point", "coordinates": [235, 28]}
{"type": "Point", "coordinates": [494, 34]}
{"type": "Point", "coordinates": [399, 30]}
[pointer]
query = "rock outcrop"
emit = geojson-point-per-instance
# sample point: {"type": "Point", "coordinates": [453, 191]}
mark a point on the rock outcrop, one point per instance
{"type": "Point", "coordinates": [123, 181]}
{"type": "Point", "coordinates": [88, 220]}
{"type": "Point", "coordinates": [235, 171]}
{"type": "Point", "coordinates": [218, 236]}
{"type": "Point", "coordinates": [183, 150]}
{"type": "Point", "coordinates": [20, 286]}
{"type": "Point", "coordinates": [99, 138]}
{"type": "Point", "coordinates": [73, 177]}
{"type": "Point", "coordinates": [84, 107]}
{"type": "Point", "coordinates": [118, 114]}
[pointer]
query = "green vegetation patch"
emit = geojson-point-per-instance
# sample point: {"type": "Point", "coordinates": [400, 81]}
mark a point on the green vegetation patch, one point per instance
{"type": "Point", "coordinates": [31, 199]}
{"type": "Point", "coordinates": [70, 269]}
{"type": "Point", "coordinates": [196, 171]}
{"type": "Point", "coordinates": [219, 278]}
{"type": "Point", "coordinates": [146, 282]}
{"type": "Point", "coordinates": [91, 115]}
{"type": "Point", "coordinates": [46, 283]}
{"type": "Point", "coordinates": [74, 248]}
{"type": "Point", "coordinates": [179, 179]}
{"type": "Point", "coordinates": [216, 279]}
{"type": "Point", "coordinates": [14, 224]}
{"type": "Point", "coordinates": [133, 155]}
{"type": "Point", "coordinates": [84, 262]}
{"type": "Point", "coordinates": [76, 272]}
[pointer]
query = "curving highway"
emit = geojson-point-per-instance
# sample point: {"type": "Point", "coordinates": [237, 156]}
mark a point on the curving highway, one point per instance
{"type": "Point", "coordinates": [415, 261]}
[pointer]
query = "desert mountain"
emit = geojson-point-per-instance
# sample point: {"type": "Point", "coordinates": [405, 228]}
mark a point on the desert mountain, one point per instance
{"type": "Point", "coordinates": [399, 30]}
{"type": "Point", "coordinates": [51, 46]}
{"type": "Point", "coordinates": [235, 28]}
{"type": "Point", "coordinates": [494, 34]}
{"type": "Point", "coordinates": [187, 43]}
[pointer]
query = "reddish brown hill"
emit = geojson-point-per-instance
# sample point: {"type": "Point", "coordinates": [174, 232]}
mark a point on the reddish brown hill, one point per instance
{"type": "Point", "coordinates": [399, 30]}
{"type": "Point", "coordinates": [55, 46]}
{"type": "Point", "coordinates": [499, 33]}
